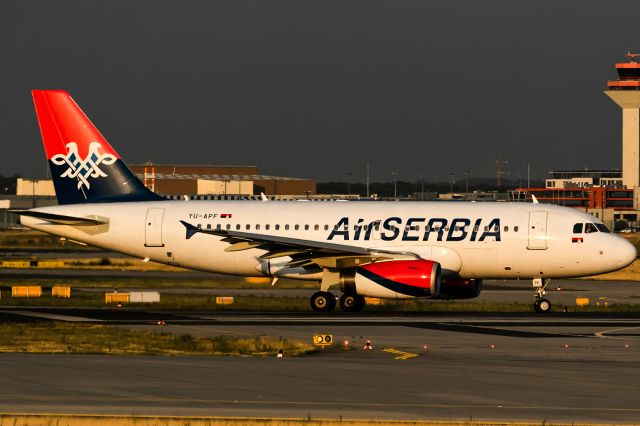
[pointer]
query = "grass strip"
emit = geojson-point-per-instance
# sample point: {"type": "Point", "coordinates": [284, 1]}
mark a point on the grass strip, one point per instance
{"type": "Point", "coordinates": [79, 338]}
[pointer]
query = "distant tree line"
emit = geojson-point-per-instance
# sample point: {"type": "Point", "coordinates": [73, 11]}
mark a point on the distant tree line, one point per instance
{"type": "Point", "coordinates": [406, 189]}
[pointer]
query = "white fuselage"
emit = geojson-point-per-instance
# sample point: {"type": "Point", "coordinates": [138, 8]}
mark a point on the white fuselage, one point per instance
{"type": "Point", "coordinates": [533, 240]}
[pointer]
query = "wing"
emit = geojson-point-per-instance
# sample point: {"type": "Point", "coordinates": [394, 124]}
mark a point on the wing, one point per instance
{"type": "Point", "coordinates": [305, 253]}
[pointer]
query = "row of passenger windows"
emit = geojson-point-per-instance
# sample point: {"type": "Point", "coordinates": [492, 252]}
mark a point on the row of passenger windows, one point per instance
{"type": "Point", "coordinates": [589, 228]}
{"type": "Point", "coordinates": [364, 228]}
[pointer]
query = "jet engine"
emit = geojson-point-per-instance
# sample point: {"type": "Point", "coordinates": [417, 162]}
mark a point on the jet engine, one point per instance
{"type": "Point", "coordinates": [459, 288]}
{"type": "Point", "coordinates": [393, 279]}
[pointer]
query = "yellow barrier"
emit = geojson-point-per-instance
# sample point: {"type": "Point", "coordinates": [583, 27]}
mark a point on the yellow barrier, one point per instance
{"type": "Point", "coordinates": [116, 298]}
{"type": "Point", "coordinates": [26, 291]}
{"type": "Point", "coordinates": [16, 264]}
{"type": "Point", "coordinates": [60, 291]}
{"type": "Point", "coordinates": [375, 301]}
{"type": "Point", "coordinates": [582, 301]}
{"type": "Point", "coordinates": [224, 300]}
{"type": "Point", "coordinates": [52, 264]}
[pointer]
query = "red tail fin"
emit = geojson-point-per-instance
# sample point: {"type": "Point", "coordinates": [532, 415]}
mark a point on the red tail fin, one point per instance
{"type": "Point", "coordinates": [62, 121]}
{"type": "Point", "coordinates": [84, 167]}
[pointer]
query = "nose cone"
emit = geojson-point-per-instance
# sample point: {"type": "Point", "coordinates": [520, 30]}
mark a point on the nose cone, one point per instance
{"type": "Point", "coordinates": [625, 253]}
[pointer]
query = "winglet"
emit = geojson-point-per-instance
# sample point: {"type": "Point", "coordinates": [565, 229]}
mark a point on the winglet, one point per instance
{"type": "Point", "coordinates": [191, 230]}
{"type": "Point", "coordinates": [534, 199]}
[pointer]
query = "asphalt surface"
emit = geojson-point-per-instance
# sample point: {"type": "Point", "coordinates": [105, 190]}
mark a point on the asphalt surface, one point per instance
{"type": "Point", "coordinates": [558, 367]}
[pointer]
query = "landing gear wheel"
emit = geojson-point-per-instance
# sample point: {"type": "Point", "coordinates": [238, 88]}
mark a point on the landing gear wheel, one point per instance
{"type": "Point", "coordinates": [542, 306]}
{"type": "Point", "coordinates": [352, 302]}
{"type": "Point", "coordinates": [323, 301]}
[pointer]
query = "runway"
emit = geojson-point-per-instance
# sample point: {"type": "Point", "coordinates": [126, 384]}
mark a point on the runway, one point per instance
{"type": "Point", "coordinates": [562, 367]}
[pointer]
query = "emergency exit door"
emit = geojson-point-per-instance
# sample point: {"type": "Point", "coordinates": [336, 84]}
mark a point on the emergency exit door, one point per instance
{"type": "Point", "coordinates": [537, 231]}
{"type": "Point", "coordinates": [153, 228]}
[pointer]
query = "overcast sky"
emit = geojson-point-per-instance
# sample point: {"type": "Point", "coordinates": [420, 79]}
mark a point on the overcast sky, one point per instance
{"type": "Point", "coordinates": [313, 89]}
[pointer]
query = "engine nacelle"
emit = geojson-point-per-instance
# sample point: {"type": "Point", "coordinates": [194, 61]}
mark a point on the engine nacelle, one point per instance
{"type": "Point", "coordinates": [459, 288]}
{"type": "Point", "coordinates": [394, 279]}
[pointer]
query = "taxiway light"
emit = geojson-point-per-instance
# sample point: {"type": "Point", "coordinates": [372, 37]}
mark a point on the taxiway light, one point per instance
{"type": "Point", "coordinates": [492, 346]}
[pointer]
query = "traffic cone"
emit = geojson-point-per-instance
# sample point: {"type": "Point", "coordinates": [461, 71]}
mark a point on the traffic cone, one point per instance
{"type": "Point", "coordinates": [367, 346]}
{"type": "Point", "coordinates": [280, 354]}
{"type": "Point", "coordinates": [161, 322]}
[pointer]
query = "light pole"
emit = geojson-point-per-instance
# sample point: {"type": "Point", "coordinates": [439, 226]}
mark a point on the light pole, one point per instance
{"type": "Point", "coordinates": [451, 182]}
{"type": "Point", "coordinates": [466, 176]}
{"type": "Point", "coordinates": [395, 180]}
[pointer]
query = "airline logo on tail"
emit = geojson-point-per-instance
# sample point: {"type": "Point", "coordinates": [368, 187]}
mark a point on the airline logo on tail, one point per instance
{"type": "Point", "coordinates": [83, 168]}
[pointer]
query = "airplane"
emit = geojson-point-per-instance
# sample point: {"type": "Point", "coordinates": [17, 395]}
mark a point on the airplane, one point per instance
{"type": "Point", "coordinates": [392, 250]}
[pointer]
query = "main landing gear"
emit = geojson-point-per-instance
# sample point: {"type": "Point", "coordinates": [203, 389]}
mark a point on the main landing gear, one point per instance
{"type": "Point", "coordinates": [541, 304]}
{"type": "Point", "coordinates": [324, 301]}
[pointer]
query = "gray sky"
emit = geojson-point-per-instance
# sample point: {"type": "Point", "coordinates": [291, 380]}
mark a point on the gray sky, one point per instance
{"type": "Point", "coordinates": [313, 89]}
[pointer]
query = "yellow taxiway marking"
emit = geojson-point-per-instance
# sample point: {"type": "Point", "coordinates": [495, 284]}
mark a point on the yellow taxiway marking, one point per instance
{"type": "Point", "coordinates": [401, 354]}
{"type": "Point", "coordinates": [603, 334]}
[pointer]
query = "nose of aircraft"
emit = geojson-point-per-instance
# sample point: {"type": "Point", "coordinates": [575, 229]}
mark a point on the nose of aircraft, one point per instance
{"type": "Point", "coordinates": [625, 252]}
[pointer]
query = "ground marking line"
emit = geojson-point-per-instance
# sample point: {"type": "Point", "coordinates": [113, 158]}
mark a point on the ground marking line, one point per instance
{"type": "Point", "coordinates": [601, 334]}
{"type": "Point", "coordinates": [402, 355]}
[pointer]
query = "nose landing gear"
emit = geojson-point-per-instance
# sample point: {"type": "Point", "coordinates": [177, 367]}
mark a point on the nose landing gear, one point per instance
{"type": "Point", "coordinates": [541, 304]}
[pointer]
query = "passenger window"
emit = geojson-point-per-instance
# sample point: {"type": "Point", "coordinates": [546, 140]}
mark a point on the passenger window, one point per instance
{"type": "Point", "coordinates": [589, 228]}
{"type": "Point", "coordinates": [506, 229]}
{"type": "Point", "coordinates": [306, 227]}
{"type": "Point", "coordinates": [208, 226]}
{"type": "Point", "coordinates": [297, 227]}
{"type": "Point", "coordinates": [257, 227]}
{"type": "Point", "coordinates": [286, 227]}
{"type": "Point", "coordinates": [577, 228]}
{"type": "Point", "coordinates": [316, 228]}
{"type": "Point", "coordinates": [515, 229]}
{"type": "Point", "coordinates": [237, 227]}
{"type": "Point", "coordinates": [266, 227]}
{"type": "Point", "coordinates": [228, 227]}
{"type": "Point", "coordinates": [326, 227]}
{"type": "Point", "coordinates": [248, 227]}
{"type": "Point", "coordinates": [277, 227]}
{"type": "Point", "coordinates": [199, 226]}
{"type": "Point", "coordinates": [218, 227]}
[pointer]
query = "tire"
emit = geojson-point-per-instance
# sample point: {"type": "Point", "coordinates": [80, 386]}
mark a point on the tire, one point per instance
{"type": "Point", "coordinates": [322, 301]}
{"type": "Point", "coordinates": [352, 302]}
{"type": "Point", "coordinates": [542, 306]}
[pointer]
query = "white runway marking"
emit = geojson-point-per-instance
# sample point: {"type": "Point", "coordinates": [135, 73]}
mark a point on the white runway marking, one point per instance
{"type": "Point", "coordinates": [602, 334]}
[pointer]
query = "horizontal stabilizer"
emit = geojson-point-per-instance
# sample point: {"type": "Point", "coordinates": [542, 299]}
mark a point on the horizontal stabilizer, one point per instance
{"type": "Point", "coordinates": [61, 219]}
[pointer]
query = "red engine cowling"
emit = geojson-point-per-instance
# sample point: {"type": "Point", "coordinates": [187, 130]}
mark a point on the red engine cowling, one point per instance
{"type": "Point", "coordinates": [459, 288]}
{"type": "Point", "coordinates": [401, 279]}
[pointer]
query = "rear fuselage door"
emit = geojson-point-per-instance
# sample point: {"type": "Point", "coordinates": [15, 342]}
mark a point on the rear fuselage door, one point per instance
{"type": "Point", "coordinates": [153, 227]}
{"type": "Point", "coordinates": [537, 231]}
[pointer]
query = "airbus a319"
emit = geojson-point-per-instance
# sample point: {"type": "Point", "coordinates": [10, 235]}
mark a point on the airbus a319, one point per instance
{"type": "Point", "coordinates": [395, 250]}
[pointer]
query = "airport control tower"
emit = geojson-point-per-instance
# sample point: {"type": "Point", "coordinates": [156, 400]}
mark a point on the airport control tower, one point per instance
{"type": "Point", "coordinates": [626, 93]}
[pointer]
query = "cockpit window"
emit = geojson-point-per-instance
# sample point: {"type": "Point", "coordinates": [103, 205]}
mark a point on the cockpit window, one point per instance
{"type": "Point", "coordinates": [577, 228]}
{"type": "Point", "coordinates": [589, 228]}
{"type": "Point", "coordinates": [602, 228]}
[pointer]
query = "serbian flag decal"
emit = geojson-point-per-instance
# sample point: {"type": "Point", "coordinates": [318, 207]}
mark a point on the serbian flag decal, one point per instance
{"type": "Point", "coordinates": [225, 215]}
{"type": "Point", "coordinates": [576, 240]}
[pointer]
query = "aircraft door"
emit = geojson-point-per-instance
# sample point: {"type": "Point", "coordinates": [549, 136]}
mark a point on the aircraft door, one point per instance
{"type": "Point", "coordinates": [537, 231]}
{"type": "Point", "coordinates": [153, 228]}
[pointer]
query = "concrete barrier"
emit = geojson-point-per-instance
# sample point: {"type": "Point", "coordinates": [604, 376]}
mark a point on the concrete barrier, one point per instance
{"type": "Point", "coordinates": [26, 291]}
{"type": "Point", "coordinates": [116, 298]}
{"type": "Point", "coordinates": [144, 297]}
{"type": "Point", "coordinates": [60, 291]}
